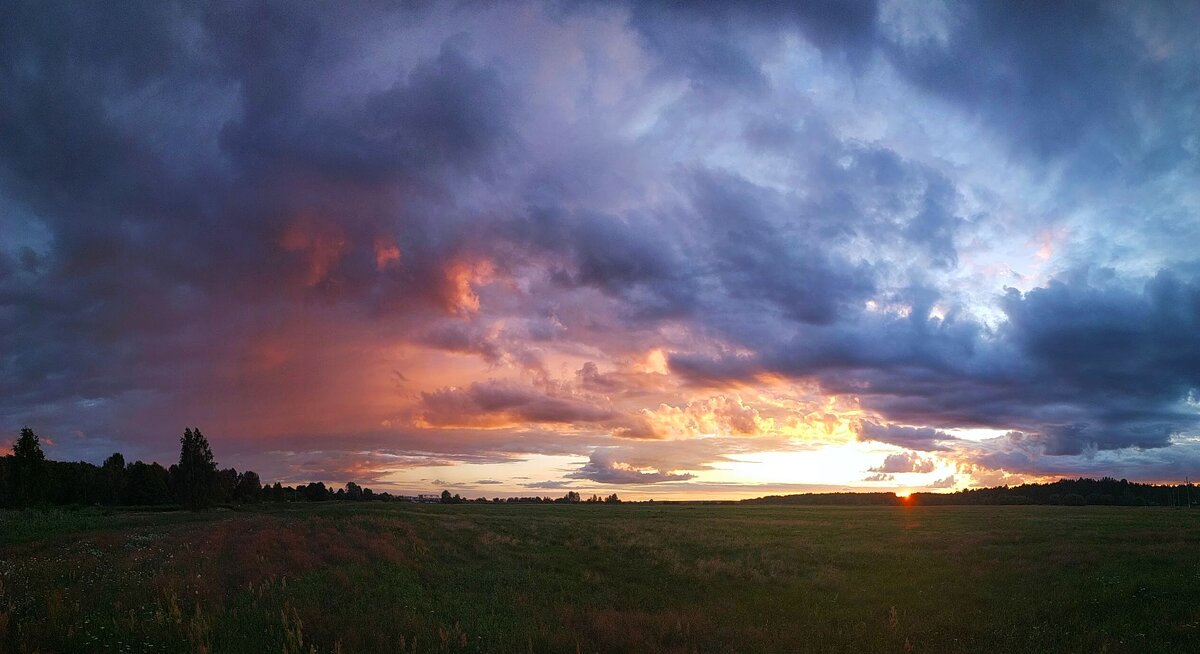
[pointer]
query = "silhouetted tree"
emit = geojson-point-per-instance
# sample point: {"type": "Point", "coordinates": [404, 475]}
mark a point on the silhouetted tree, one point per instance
{"type": "Point", "coordinates": [315, 492]}
{"type": "Point", "coordinates": [224, 485]}
{"type": "Point", "coordinates": [249, 487]}
{"type": "Point", "coordinates": [196, 471]}
{"type": "Point", "coordinates": [354, 492]}
{"type": "Point", "coordinates": [146, 484]}
{"type": "Point", "coordinates": [571, 497]}
{"type": "Point", "coordinates": [70, 482]}
{"type": "Point", "coordinates": [28, 470]}
{"type": "Point", "coordinates": [446, 499]}
{"type": "Point", "coordinates": [6, 491]}
{"type": "Point", "coordinates": [112, 479]}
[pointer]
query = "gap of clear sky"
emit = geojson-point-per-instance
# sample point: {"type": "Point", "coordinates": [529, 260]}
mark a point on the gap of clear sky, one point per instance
{"type": "Point", "coordinates": [711, 249]}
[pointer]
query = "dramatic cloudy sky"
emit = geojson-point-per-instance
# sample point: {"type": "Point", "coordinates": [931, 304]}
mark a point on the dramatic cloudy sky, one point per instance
{"type": "Point", "coordinates": [516, 248]}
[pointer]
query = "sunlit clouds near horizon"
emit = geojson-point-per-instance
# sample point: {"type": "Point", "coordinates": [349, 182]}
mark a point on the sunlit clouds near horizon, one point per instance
{"type": "Point", "coordinates": [666, 250]}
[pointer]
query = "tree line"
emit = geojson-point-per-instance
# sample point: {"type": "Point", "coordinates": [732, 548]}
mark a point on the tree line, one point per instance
{"type": "Point", "coordinates": [829, 499]}
{"type": "Point", "coordinates": [28, 478]}
{"type": "Point", "coordinates": [1106, 491]}
{"type": "Point", "coordinates": [571, 497]}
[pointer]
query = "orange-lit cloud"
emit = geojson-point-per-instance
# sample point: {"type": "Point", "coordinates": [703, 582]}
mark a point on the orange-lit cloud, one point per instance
{"type": "Point", "coordinates": [320, 248]}
{"type": "Point", "coordinates": [719, 414]}
{"type": "Point", "coordinates": [462, 278]}
{"type": "Point", "coordinates": [387, 253]}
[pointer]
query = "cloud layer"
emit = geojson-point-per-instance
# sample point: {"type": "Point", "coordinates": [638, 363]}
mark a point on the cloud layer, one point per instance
{"type": "Point", "coordinates": [650, 244]}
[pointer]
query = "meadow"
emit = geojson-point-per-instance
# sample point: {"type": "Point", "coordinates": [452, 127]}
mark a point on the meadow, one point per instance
{"type": "Point", "coordinates": [375, 577]}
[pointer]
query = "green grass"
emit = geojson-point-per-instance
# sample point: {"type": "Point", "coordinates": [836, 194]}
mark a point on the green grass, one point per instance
{"type": "Point", "coordinates": [627, 578]}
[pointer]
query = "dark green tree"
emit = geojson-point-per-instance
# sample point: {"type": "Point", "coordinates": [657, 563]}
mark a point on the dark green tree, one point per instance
{"type": "Point", "coordinates": [146, 484]}
{"type": "Point", "coordinates": [113, 479]}
{"type": "Point", "coordinates": [28, 470]}
{"type": "Point", "coordinates": [249, 487]}
{"type": "Point", "coordinates": [6, 491]}
{"type": "Point", "coordinates": [315, 492]}
{"type": "Point", "coordinates": [225, 485]}
{"type": "Point", "coordinates": [196, 472]}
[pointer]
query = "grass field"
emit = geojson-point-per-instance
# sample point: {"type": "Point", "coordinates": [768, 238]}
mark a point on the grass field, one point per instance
{"type": "Point", "coordinates": [627, 578]}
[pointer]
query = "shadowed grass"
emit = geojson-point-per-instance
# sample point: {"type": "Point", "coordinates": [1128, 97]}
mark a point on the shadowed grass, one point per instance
{"type": "Point", "coordinates": [680, 578]}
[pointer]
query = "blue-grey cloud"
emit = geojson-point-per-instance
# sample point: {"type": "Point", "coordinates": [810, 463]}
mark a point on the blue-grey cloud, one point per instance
{"type": "Point", "coordinates": [968, 215]}
{"type": "Point", "coordinates": [605, 468]}
{"type": "Point", "coordinates": [904, 462]}
{"type": "Point", "coordinates": [914, 438]}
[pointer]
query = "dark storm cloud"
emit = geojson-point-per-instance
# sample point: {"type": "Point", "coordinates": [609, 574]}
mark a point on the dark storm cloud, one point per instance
{"type": "Point", "coordinates": [1133, 357]}
{"type": "Point", "coordinates": [204, 204]}
{"type": "Point", "coordinates": [1091, 365]}
{"type": "Point", "coordinates": [699, 39]}
{"type": "Point", "coordinates": [1077, 364]}
{"type": "Point", "coordinates": [1105, 338]}
{"type": "Point", "coordinates": [913, 438]}
{"type": "Point", "coordinates": [447, 112]}
{"type": "Point", "coordinates": [1098, 81]}
{"type": "Point", "coordinates": [751, 247]}
{"type": "Point", "coordinates": [761, 260]}
{"type": "Point", "coordinates": [158, 197]}
{"type": "Point", "coordinates": [634, 258]}
{"type": "Point", "coordinates": [919, 348]}
{"type": "Point", "coordinates": [1065, 77]}
{"type": "Point", "coordinates": [1159, 464]}
{"type": "Point", "coordinates": [703, 52]}
{"type": "Point", "coordinates": [508, 401]}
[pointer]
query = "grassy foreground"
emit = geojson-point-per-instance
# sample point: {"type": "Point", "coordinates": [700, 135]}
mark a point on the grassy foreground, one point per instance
{"type": "Point", "coordinates": [626, 578]}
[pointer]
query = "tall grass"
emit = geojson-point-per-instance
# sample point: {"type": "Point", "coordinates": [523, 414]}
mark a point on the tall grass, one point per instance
{"type": "Point", "coordinates": [398, 578]}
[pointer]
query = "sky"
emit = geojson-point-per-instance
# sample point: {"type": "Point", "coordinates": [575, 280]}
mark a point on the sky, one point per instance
{"type": "Point", "coordinates": [669, 250]}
